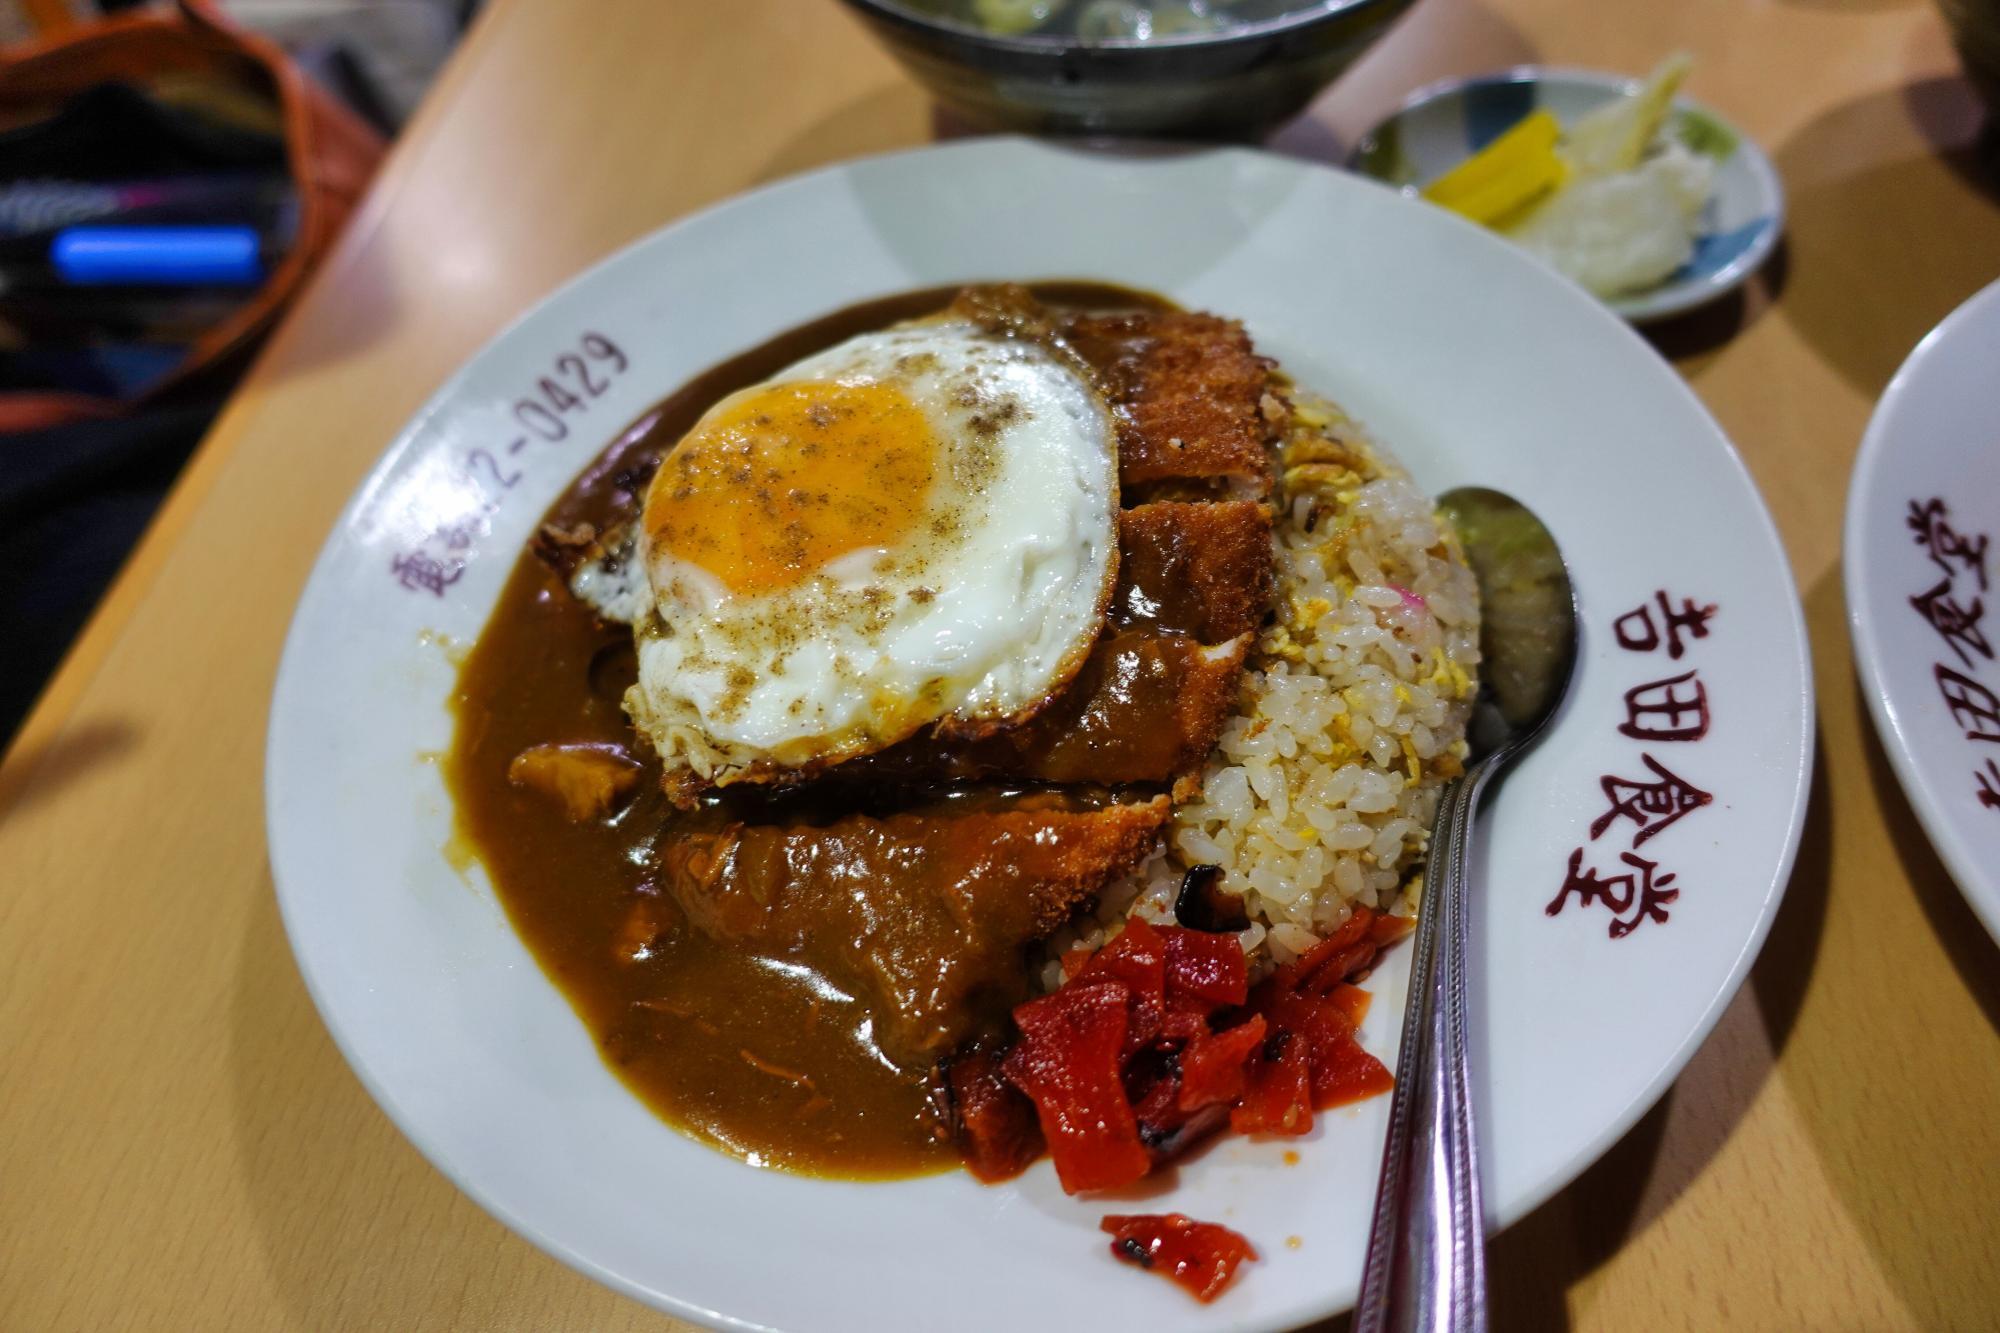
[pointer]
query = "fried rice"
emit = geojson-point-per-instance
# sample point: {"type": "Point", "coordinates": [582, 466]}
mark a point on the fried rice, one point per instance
{"type": "Point", "coordinates": [1320, 792]}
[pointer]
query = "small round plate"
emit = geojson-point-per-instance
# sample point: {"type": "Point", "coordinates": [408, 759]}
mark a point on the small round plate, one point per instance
{"type": "Point", "coordinates": [1626, 872]}
{"type": "Point", "coordinates": [1921, 562]}
{"type": "Point", "coordinates": [1441, 125]}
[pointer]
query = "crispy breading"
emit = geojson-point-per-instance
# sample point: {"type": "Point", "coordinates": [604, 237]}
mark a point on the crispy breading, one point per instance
{"type": "Point", "coordinates": [1188, 387]}
{"type": "Point", "coordinates": [1201, 569]}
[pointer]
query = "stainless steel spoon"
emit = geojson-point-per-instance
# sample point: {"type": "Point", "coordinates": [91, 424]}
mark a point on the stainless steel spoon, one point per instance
{"type": "Point", "coordinates": [1426, 1267]}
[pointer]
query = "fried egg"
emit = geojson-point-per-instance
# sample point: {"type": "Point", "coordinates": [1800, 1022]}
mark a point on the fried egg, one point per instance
{"type": "Point", "coordinates": [914, 527]}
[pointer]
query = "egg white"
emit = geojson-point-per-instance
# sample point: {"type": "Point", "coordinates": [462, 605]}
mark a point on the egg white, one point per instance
{"type": "Point", "coordinates": [980, 615]}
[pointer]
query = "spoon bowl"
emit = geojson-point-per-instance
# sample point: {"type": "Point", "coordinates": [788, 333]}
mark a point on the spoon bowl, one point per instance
{"type": "Point", "coordinates": [1527, 615]}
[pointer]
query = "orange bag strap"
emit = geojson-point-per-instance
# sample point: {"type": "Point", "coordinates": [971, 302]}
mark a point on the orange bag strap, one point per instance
{"type": "Point", "coordinates": [330, 154]}
{"type": "Point", "coordinates": [51, 18]}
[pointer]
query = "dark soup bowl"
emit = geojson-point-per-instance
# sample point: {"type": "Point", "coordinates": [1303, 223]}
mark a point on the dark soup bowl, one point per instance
{"type": "Point", "coordinates": [1258, 64]}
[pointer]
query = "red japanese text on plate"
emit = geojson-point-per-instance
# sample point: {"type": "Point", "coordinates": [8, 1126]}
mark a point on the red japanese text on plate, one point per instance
{"type": "Point", "coordinates": [1641, 804]}
{"type": "Point", "coordinates": [1955, 607]}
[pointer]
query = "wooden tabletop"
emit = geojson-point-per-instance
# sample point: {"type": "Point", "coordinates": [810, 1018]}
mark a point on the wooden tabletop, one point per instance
{"type": "Point", "coordinates": [181, 1145]}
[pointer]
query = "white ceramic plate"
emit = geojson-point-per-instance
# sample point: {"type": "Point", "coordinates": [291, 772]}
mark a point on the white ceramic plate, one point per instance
{"type": "Point", "coordinates": [1440, 126]}
{"type": "Point", "coordinates": [1922, 547]}
{"type": "Point", "coordinates": [1472, 360]}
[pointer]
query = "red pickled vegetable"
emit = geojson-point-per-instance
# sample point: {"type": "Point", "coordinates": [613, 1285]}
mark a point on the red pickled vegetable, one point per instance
{"type": "Point", "coordinates": [1278, 1092]}
{"type": "Point", "coordinates": [1353, 1002]}
{"type": "Point", "coordinates": [998, 1133]}
{"type": "Point", "coordinates": [1138, 958]}
{"type": "Point", "coordinates": [1157, 1040]}
{"type": "Point", "coordinates": [1213, 1069]}
{"type": "Point", "coordinates": [1343, 1072]}
{"type": "Point", "coordinates": [1068, 1062]}
{"type": "Point", "coordinates": [1155, 1096]}
{"type": "Point", "coordinates": [1201, 1256]}
{"type": "Point", "coordinates": [1207, 967]}
{"type": "Point", "coordinates": [1311, 1001]}
{"type": "Point", "coordinates": [1347, 949]}
{"type": "Point", "coordinates": [1385, 929]}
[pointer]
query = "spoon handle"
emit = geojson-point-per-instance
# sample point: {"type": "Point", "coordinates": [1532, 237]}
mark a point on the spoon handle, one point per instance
{"type": "Point", "coordinates": [1426, 1267]}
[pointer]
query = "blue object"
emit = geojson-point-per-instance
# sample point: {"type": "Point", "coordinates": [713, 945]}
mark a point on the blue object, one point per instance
{"type": "Point", "coordinates": [159, 256]}
{"type": "Point", "coordinates": [115, 370]}
{"type": "Point", "coordinates": [1716, 251]}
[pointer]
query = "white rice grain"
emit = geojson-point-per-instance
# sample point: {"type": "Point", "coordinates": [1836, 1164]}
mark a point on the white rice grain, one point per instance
{"type": "Point", "coordinates": [1319, 794]}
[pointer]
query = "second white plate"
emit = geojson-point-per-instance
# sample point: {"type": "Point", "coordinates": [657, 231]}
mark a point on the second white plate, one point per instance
{"type": "Point", "coordinates": [1920, 561]}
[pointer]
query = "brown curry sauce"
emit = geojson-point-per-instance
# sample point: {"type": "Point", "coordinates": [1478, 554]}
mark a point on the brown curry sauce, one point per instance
{"type": "Point", "coordinates": [760, 1055]}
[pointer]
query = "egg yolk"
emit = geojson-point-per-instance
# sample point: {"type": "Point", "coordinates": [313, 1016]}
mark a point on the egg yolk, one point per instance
{"type": "Point", "coordinates": [777, 482]}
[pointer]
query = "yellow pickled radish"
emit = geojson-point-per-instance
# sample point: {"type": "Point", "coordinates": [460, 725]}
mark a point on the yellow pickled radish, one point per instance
{"type": "Point", "coordinates": [1505, 199]}
{"type": "Point", "coordinates": [1521, 150]}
